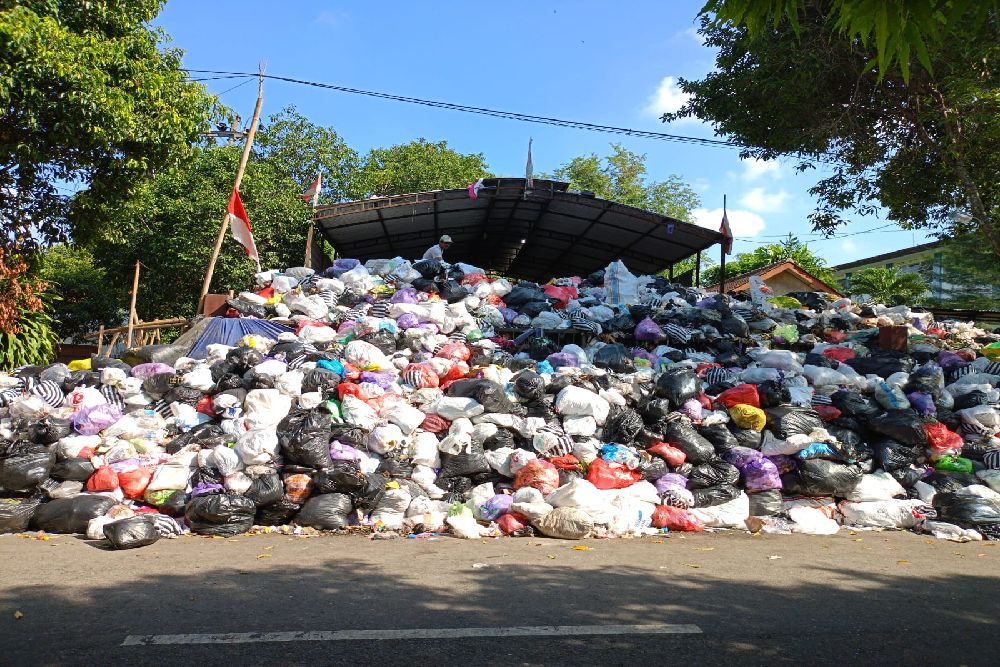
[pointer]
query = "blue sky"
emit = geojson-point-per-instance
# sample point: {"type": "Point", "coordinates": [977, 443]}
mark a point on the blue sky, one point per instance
{"type": "Point", "coordinates": [598, 62]}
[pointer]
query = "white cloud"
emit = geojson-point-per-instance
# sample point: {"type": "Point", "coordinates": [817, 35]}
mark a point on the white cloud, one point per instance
{"type": "Point", "coordinates": [667, 98]}
{"type": "Point", "coordinates": [754, 169]}
{"type": "Point", "coordinates": [333, 18]}
{"type": "Point", "coordinates": [764, 202]}
{"type": "Point", "coordinates": [743, 223]}
{"type": "Point", "coordinates": [847, 245]}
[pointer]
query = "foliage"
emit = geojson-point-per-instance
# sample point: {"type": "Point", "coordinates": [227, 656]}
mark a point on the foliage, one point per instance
{"type": "Point", "coordinates": [299, 149]}
{"type": "Point", "coordinates": [888, 285]}
{"type": "Point", "coordinates": [26, 324]}
{"type": "Point", "coordinates": [927, 149]}
{"type": "Point", "coordinates": [790, 248]}
{"type": "Point", "coordinates": [899, 29]}
{"type": "Point", "coordinates": [172, 223]}
{"type": "Point", "coordinates": [90, 95]}
{"type": "Point", "coordinates": [621, 177]}
{"type": "Point", "coordinates": [417, 166]}
{"type": "Point", "coordinates": [970, 276]}
{"type": "Point", "coordinates": [87, 297]}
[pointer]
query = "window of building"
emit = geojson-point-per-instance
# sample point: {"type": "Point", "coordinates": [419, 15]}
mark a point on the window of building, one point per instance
{"type": "Point", "coordinates": [847, 280]}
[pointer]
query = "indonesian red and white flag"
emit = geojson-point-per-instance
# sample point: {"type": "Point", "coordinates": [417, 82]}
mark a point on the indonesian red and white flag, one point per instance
{"type": "Point", "coordinates": [239, 223]}
{"type": "Point", "coordinates": [727, 242]}
{"type": "Point", "coordinates": [310, 195]}
{"type": "Point", "coordinates": [474, 189]}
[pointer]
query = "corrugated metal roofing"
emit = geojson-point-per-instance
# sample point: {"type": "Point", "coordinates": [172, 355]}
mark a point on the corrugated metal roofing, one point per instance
{"type": "Point", "coordinates": [532, 233]}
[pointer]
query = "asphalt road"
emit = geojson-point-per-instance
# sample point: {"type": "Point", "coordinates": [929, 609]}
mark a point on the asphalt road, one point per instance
{"type": "Point", "coordinates": [865, 598]}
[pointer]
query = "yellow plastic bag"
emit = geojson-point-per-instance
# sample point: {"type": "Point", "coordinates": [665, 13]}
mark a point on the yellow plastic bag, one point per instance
{"type": "Point", "coordinates": [747, 416]}
{"type": "Point", "coordinates": [79, 365]}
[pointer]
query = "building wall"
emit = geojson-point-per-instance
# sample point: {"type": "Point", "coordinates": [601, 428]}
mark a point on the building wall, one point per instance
{"type": "Point", "coordinates": [927, 262]}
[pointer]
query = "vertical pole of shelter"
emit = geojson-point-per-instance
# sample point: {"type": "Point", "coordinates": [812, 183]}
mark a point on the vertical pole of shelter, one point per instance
{"type": "Point", "coordinates": [239, 179]}
{"type": "Point", "coordinates": [697, 270]}
{"type": "Point", "coordinates": [722, 259]}
{"type": "Point", "coordinates": [312, 223]}
{"type": "Point", "coordinates": [131, 307]}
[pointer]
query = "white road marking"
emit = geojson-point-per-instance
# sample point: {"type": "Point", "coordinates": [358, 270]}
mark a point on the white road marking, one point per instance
{"type": "Point", "coordinates": [426, 633]}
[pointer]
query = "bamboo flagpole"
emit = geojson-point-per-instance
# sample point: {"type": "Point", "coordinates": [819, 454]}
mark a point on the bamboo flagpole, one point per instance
{"type": "Point", "coordinates": [239, 179]}
{"type": "Point", "coordinates": [131, 308]}
{"type": "Point", "coordinates": [316, 187]}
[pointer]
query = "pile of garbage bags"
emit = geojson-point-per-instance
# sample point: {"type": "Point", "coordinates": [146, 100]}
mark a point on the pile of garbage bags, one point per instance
{"type": "Point", "coordinates": [428, 399]}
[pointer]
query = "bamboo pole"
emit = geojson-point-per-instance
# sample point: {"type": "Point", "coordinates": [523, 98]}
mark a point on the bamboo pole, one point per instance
{"type": "Point", "coordinates": [307, 262]}
{"type": "Point", "coordinates": [239, 179]}
{"type": "Point", "coordinates": [131, 307]}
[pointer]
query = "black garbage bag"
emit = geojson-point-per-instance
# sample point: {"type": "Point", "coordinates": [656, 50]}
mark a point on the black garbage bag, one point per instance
{"type": "Point", "coordinates": [245, 358]}
{"type": "Point", "coordinates": [966, 510]}
{"type": "Point", "coordinates": [622, 425]}
{"type": "Point", "coordinates": [903, 426]}
{"type": "Point", "coordinates": [971, 400]}
{"type": "Point", "coordinates": [305, 438]}
{"type": "Point", "coordinates": [463, 465]}
{"type": "Point", "coordinates": [322, 380]}
{"type": "Point", "coordinates": [820, 477]}
{"type": "Point", "coordinates": [522, 294]}
{"type": "Point", "coordinates": [929, 378]}
{"type": "Point", "coordinates": [349, 435]}
{"type": "Point", "coordinates": [223, 514]}
{"type": "Point", "coordinates": [976, 449]}
{"type": "Point", "coordinates": [70, 515]}
{"type": "Point", "coordinates": [678, 384]}
{"type": "Point", "coordinates": [393, 467]}
{"type": "Point", "coordinates": [158, 385]}
{"type": "Point", "coordinates": [788, 420]}
{"type": "Point", "coordinates": [49, 430]}
{"type": "Point", "coordinates": [944, 482]}
{"type": "Point", "coordinates": [747, 437]}
{"type": "Point", "coordinates": [340, 477]}
{"type": "Point", "coordinates": [907, 477]}
{"type": "Point", "coordinates": [949, 419]}
{"type": "Point", "coordinates": [265, 489]}
{"type": "Point", "coordinates": [715, 495]}
{"type": "Point", "coordinates": [713, 473]}
{"type": "Point", "coordinates": [205, 475]}
{"type": "Point", "coordinates": [368, 498]}
{"type": "Point", "coordinates": [615, 358]}
{"type": "Point", "coordinates": [490, 394]}
{"type": "Point", "coordinates": [721, 437]}
{"type": "Point", "coordinates": [154, 354]}
{"type": "Point", "coordinates": [734, 326]}
{"type": "Point", "coordinates": [502, 438]}
{"type": "Point", "coordinates": [653, 469]}
{"type": "Point", "coordinates": [535, 308]}
{"type": "Point", "coordinates": [765, 503]}
{"type": "Point", "coordinates": [458, 489]}
{"type": "Point", "coordinates": [529, 385]}
{"type": "Point", "coordinates": [328, 511]}
{"type": "Point", "coordinates": [383, 339]}
{"type": "Point", "coordinates": [427, 268]}
{"type": "Point", "coordinates": [845, 435]}
{"type": "Point", "coordinates": [25, 466]}
{"type": "Point", "coordinates": [16, 513]}
{"type": "Point", "coordinates": [257, 310]}
{"type": "Point", "coordinates": [200, 434]}
{"type": "Point", "coordinates": [277, 513]}
{"type": "Point", "coordinates": [557, 383]}
{"type": "Point", "coordinates": [882, 365]}
{"type": "Point", "coordinates": [814, 359]}
{"type": "Point", "coordinates": [131, 533]}
{"type": "Point", "coordinates": [682, 435]}
{"type": "Point", "coordinates": [287, 349]}
{"type": "Point", "coordinates": [655, 410]}
{"type": "Point", "coordinates": [181, 394]}
{"type": "Point", "coordinates": [772, 394]}
{"type": "Point", "coordinates": [175, 504]}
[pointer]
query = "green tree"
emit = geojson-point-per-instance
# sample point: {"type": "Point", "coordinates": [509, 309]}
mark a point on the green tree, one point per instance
{"type": "Point", "coordinates": [91, 98]}
{"type": "Point", "coordinates": [88, 298]}
{"type": "Point", "coordinates": [621, 177]}
{"type": "Point", "coordinates": [417, 166]}
{"type": "Point", "coordinates": [790, 248]}
{"type": "Point", "coordinates": [888, 286]}
{"type": "Point", "coordinates": [299, 149]}
{"type": "Point", "coordinates": [924, 147]}
{"type": "Point", "coordinates": [970, 275]}
{"type": "Point", "coordinates": [171, 224]}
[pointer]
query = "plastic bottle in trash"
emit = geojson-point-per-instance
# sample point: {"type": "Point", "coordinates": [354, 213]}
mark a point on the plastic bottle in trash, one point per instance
{"type": "Point", "coordinates": [152, 427]}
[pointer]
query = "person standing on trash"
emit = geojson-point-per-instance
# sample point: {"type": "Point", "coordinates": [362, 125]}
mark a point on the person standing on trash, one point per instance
{"type": "Point", "coordinates": [436, 251]}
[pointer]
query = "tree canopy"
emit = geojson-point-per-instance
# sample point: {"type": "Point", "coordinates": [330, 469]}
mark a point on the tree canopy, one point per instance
{"type": "Point", "coordinates": [925, 147]}
{"type": "Point", "coordinates": [417, 166]}
{"type": "Point", "coordinates": [888, 286]}
{"type": "Point", "coordinates": [790, 248]}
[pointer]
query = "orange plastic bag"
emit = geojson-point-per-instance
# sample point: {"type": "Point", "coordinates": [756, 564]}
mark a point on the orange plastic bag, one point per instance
{"type": "Point", "coordinates": [539, 474]}
{"type": "Point", "coordinates": [672, 455]}
{"type": "Point", "coordinates": [134, 482]}
{"type": "Point", "coordinates": [103, 479]}
{"type": "Point", "coordinates": [298, 487]}
{"type": "Point", "coordinates": [605, 475]}
{"type": "Point", "coordinates": [455, 350]}
{"type": "Point", "coordinates": [675, 518]}
{"type": "Point", "coordinates": [741, 393]}
{"type": "Point", "coordinates": [457, 372]}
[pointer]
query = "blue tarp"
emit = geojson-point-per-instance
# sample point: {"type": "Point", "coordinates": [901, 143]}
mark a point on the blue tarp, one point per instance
{"type": "Point", "coordinates": [229, 331]}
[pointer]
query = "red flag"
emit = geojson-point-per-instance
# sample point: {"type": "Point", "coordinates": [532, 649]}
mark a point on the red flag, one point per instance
{"type": "Point", "coordinates": [727, 242]}
{"type": "Point", "coordinates": [474, 189]}
{"type": "Point", "coordinates": [310, 195]}
{"type": "Point", "coordinates": [239, 223]}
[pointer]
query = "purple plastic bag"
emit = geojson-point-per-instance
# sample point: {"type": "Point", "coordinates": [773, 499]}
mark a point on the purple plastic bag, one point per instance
{"type": "Point", "coordinates": [560, 359]}
{"type": "Point", "coordinates": [345, 265]}
{"type": "Point", "coordinates": [408, 295]}
{"type": "Point", "coordinates": [206, 488]}
{"type": "Point", "coordinates": [922, 402]}
{"type": "Point", "coordinates": [948, 360]}
{"type": "Point", "coordinates": [741, 457]}
{"type": "Point", "coordinates": [383, 379]}
{"type": "Point", "coordinates": [347, 326]}
{"type": "Point", "coordinates": [407, 321]}
{"type": "Point", "coordinates": [143, 371]}
{"type": "Point", "coordinates": [496, 506]}
{"type": "Point", "coordinates": [670, 481]}
{"type": "Point", "coordinates": [508, 314]}
{"type": "Point", "coordinates": [638, 352]}
{"type": "Point", "coordinates": [648, 330]}
{"type": "Point", "coordinates": [341, 452]}
{"type": "Point", "coordinates": [91, 421]}
{"type": "Point", "coordinates": [760, 476]}
{"type": "Point", "coordinates": [693, 409]}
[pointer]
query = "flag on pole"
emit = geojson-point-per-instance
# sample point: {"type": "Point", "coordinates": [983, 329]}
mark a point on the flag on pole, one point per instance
{"type": "Point", "coordinates": [474, 189]}
{"type": "Point", "coordinates": [312, 194]}
{"type": "Point", "coordinates": [727, 242]}
{"type": "Point", "coordinates": [239, 223]}
{"type": "Point", "coordinates": [529, 180]}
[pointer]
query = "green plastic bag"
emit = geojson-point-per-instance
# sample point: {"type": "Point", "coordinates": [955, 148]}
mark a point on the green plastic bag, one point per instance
{"type": "Point", "coordinates": [473, 335]}
{"type": "Point", "coordinates": [789, 332]}
{"type": "Point", "coordinates": [992, 351]}
{"type": "Point", "coordinates": [459, 509]}
{"type": "Point", "coordinates": [953, 464]}
{"type": "Point", "coordinates": [785, 302]}
{"type": "Point", "coordinates": [331, 406]}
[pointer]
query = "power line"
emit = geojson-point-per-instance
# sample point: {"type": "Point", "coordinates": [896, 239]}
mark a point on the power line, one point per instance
{"type": "Point", "coordinates": [509, 115]}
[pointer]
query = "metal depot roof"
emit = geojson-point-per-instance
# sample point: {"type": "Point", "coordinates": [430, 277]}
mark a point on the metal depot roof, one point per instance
{"type": "Point", "coordinates": [534, 233]}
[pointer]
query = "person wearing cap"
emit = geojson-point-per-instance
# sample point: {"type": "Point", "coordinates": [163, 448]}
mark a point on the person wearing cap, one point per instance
{"type": "Point", "coordinates": [436, 251]}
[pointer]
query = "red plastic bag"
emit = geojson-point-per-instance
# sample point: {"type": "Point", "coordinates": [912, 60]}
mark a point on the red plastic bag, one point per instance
{"type": "Point", "coordinates": [205, 406]}
{"type": "Point", "coordinates": [741, 393]}
{"type": "Point", "coordinates": [566, 462]}
{"type": "Point", "coordinates": [103, 479]}
{"type": "Point", "coordinates": [839, 353]}
{"type": "Point", "coordinates": [420, 376]}
{"type": "Point", "coordinates": [564, 294]}
{"type": "Point", "coordinates": [605, 475]}
{"type": "Point", "coordinates": [350, 389]}
{"type": "Point", "coordinates": [827, 412]}
{"type": "Point", "coordinates": [351, 372]}
{"type": "Point", "coordinates": [473, 279]}
{"type": "Point", "coordinates": [941, 439]}
{"type": "Point", "coordinates": [433, 423]}
{"type": "Point", "coordinates": [539, 474]}
{"type": "Point", "coordinates": [672, 455]}
{"type": "Point", "coordinates": [835, 336]}
{"type": "Point", "coordinates": [675, 518]}
{"type": "Point", "coordinates": [455, 350]}
{"type": "Point", "coordinates": [457, 372]}
{"type": "Point", "coordinates": [134, 482]}
{"type": "Point", "coordinates": [309, 323]}
{"type": "Point", "coordinates": [511, 522]}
